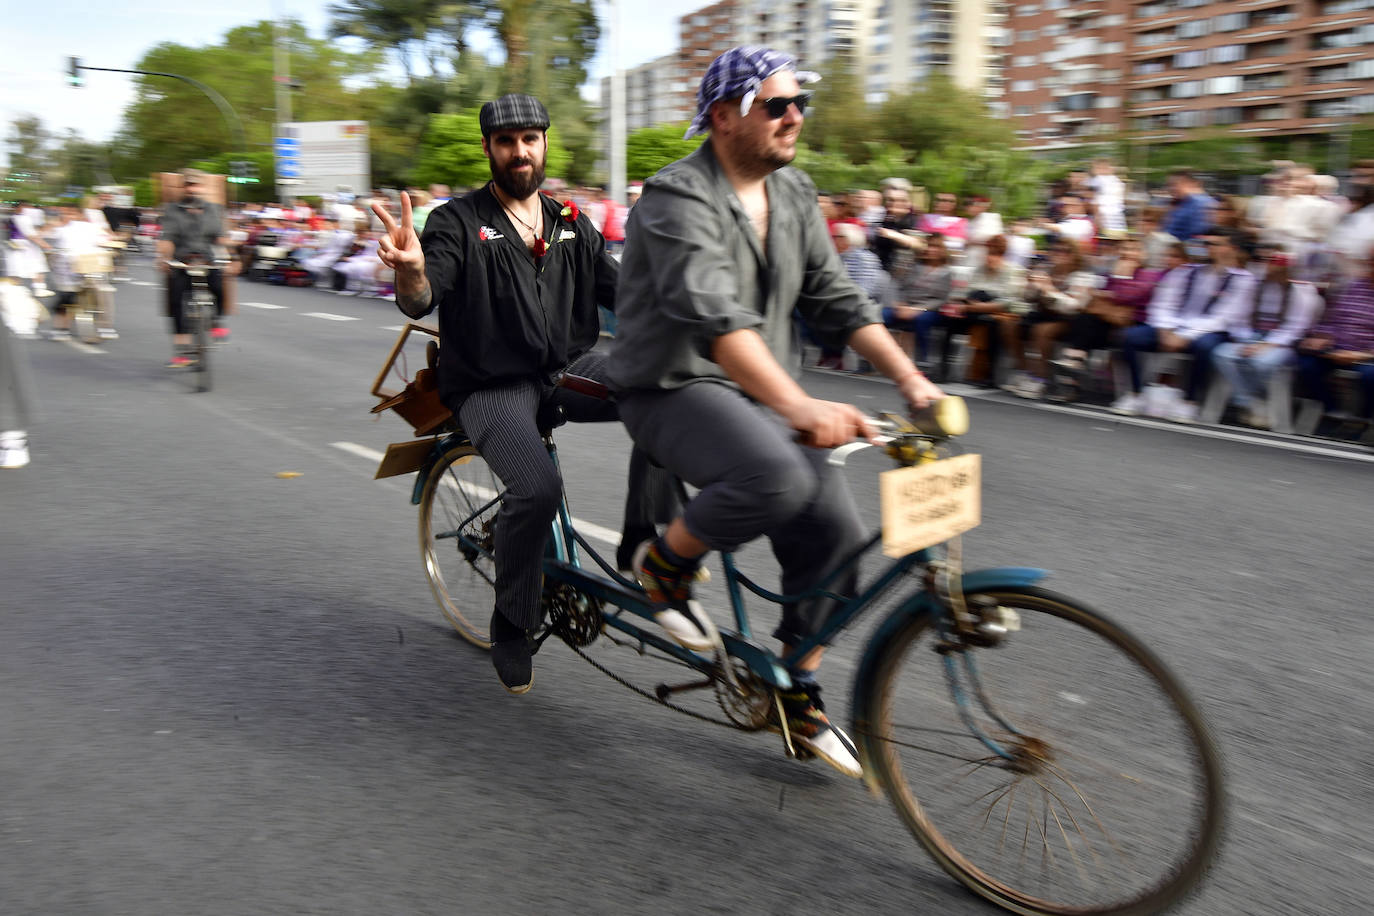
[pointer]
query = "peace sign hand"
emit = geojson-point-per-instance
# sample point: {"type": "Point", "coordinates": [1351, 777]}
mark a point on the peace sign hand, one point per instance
{"type": "Point", "coordinates": [399, 247]}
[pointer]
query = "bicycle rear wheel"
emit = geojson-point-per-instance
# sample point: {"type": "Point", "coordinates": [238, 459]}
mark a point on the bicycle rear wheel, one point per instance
{"type": "Point", "coordinates": [202, 307]}
{"type": "Point", "coordinates": [458, 509]}
{"type": "Point", "coordinates": [1113, 803]}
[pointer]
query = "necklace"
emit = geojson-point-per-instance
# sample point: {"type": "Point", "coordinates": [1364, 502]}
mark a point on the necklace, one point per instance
{"type": "Point", "coordinates": [534, 232]}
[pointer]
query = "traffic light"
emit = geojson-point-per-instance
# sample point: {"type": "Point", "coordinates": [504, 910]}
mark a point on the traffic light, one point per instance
{"type": "Point", "coordinates": [74, 71]}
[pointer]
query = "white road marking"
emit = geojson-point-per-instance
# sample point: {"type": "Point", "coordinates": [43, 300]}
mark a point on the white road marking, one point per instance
{"type": "Point", "coordinates": [262, 305]}
{"type": "Point", "coordinates": [392, 327]}
{"type": "Point", "coordinates": [329, 316]}
{"type": "Point", "coordinates": [585, 528]}
{"type": "Point", "coordinates": [82, 346]}
{"type": "Point", "coordinates": [143, 283]}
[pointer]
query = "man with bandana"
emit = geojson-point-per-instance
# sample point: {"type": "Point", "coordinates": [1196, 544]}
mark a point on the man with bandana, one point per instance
{"type": "Point", "coordinates": [722, 248]}
{"type": "Point", "coordinates": [517, 278]}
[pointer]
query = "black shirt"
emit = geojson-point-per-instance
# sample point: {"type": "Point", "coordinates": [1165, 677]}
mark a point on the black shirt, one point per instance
{"type": "Point", "coordinates": [886, 249]}
{"type": "Point", "coordinates": [505, 315]}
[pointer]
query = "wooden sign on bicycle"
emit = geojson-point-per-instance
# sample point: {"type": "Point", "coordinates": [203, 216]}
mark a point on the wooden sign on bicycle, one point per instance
{"type": "Point", "coordinates": [929, 504]}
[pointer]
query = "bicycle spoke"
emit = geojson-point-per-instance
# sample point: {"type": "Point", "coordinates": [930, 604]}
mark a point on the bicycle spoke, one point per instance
{"type": "Point", "coordinates": [1088, 713]}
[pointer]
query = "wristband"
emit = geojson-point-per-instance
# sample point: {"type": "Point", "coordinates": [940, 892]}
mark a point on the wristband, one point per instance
{"type": "Point", "coordinates": [914, 372]}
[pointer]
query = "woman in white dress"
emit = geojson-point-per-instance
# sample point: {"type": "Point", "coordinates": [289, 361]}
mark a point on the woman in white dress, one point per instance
{"type": "Point", "coordinates": [24, 259]}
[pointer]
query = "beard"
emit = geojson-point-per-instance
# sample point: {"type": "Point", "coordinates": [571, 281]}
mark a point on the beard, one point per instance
{"type": "Point", "coordinates": [522, 185]}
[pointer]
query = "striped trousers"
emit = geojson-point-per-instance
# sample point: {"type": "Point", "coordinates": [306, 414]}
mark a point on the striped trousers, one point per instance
{"type": "Point", "coordinates": [502, 424]}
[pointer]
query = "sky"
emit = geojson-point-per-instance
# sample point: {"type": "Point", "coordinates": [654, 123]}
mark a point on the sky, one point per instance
{"type": "Point", "coordinates": [41, 34]}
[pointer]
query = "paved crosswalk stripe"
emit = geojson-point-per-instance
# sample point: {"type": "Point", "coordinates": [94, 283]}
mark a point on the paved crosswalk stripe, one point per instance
{"type": "Point", "coordinates": [327, 316]}
{"type": "Point", "coordinates": [587, 529]}
{"type": "Point", "coordinates": [263, 305]}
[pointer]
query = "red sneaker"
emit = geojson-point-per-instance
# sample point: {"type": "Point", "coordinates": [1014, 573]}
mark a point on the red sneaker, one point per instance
{"type": "Point", "coordinates": [219, 335]}
{"type": "Point", "coordinates": [179, 362]}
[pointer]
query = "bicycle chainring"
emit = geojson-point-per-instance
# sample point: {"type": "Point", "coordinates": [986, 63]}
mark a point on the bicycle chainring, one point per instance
{"type": "Point", "coordinates": [574, 617]}
{"type": "Point", "coordinates": [748, 709]}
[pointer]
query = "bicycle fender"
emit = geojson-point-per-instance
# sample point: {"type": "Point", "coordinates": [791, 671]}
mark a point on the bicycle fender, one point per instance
{"type": "Point", "coordinates": [443, 445]}
{"type": "Point", "coordinates": [919, 604]}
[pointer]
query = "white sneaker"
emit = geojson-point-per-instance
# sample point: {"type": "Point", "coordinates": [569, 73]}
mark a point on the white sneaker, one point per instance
{"type": "Point", "coordinates": [107, 333]}
{"type": "Point", "coordinates": [681, 616]}
{"type": "Point", "coordinates": [810, 729]}
{"type": "Point", "coordinates": [1015, 381]}
{"type": "Point", "coordinates": [1255, 418]}
{"type": "Point", "coordinates": [1183, 412]}
{"type": "Point", "coordinates": [1129, 404]}
{"type": "Point", "coordinates": [1160, 400]}
{"type": "Point", "coordinates": [41, 292]}
{"type": "Point", "coordinates": [14, 449]}
{"type": "Point", "coordinates": [1030, 387]}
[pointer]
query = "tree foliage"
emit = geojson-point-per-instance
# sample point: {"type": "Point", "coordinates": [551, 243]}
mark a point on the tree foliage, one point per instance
{"type": "Point", "coordinates": [651, 148]}
{"type": "Point", "coordinates": [171, 123]}
{"type": "Point", "coordinates": [451, 152]}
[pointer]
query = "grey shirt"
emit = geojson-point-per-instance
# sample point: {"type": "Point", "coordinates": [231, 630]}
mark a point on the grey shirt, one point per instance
{"type": "Point", "coordinates": [693, 270]}
{"type": "Point", "coordinates": [192, 228]}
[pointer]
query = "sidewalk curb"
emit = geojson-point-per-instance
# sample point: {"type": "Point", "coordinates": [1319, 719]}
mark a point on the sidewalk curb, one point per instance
{"type": "Point", "coordinates": [1285, 441]}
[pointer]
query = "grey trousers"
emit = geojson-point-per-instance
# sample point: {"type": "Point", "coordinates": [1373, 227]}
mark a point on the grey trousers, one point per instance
{"type": "Point", "coordinates": [502, 424]}
{"type": "Point", "coordinates": [753, 480]}
{"type": "Point", "coordinates": [16, 387]}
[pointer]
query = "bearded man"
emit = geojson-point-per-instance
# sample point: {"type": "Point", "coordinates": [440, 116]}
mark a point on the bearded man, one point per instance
{"type": "Point", "coordinates": [517, 278]}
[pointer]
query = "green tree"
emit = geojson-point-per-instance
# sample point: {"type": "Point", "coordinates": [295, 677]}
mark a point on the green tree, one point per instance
{"type": "Point", "coordinates": [33, 165]}
{"type": "Point", "coordinates": [451, 152]}
{"type": "Point", "coordinates": [401, 27]}
{"type": "Point", "coordinates": [651, 148]}
{"type": "Point", "coordinates": [937, 114]}
{"type": "Point", "coordinates": [840, 120]}
{"type": "Point", "coordinates": [171, 123]}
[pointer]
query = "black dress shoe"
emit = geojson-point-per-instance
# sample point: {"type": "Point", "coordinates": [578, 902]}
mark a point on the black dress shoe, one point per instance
{"type": "Point", "coordinates": [512, 661]}
{"type": "Point", "coordinates": [511, 654]}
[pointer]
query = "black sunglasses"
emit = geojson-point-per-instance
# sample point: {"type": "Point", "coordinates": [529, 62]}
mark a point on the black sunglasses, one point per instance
{"type": "Point", "coordinates": [776, 106]}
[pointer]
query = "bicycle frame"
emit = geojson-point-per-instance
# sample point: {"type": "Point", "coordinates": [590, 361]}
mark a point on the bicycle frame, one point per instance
{"type": "Point", "coordinates": [563, 564]}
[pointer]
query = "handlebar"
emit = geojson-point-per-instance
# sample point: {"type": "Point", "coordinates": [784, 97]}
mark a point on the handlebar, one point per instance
{"type": "Point", "coordinates": [942, 419]}
{"type": "Point", "coordinates": [199, 269]}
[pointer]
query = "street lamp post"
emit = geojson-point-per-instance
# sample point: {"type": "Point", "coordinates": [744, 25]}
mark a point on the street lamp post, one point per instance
{"type": "Point", "coordinates": [75, 66]}
{"type": "Point", "coordinates": [616, 162]}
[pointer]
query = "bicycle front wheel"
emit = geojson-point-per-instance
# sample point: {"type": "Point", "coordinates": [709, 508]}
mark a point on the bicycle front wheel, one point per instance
{"type": "Point", "coordinates": [458, 509]}
{"type": "Point", "coordinates": [1112, 799]}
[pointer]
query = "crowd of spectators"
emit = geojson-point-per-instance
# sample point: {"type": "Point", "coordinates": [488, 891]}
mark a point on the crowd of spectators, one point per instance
{"type": "Point", "coordinates": [1178, 304]}
{"type": "Point", "coordinates": [1148, 304]}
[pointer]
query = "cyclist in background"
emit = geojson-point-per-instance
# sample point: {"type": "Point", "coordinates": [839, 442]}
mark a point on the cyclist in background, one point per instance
{"type": "Point", "coordinates": [192, 228]}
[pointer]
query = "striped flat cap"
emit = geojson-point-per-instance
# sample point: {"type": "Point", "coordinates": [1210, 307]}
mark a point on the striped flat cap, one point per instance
{"type": "Point", "coordinates": [512, 111]}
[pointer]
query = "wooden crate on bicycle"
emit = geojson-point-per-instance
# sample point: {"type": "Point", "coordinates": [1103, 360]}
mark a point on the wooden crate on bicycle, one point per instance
{"type": "Point", "coordinates": [417, 402]}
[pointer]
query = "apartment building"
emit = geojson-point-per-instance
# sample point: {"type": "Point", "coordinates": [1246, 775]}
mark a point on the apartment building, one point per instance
{"type": "Point", "coordinates": [897, 43]}
{"type": "Point", "coordinates": [1080, 69]}
{"type": "Point", "coordinates": [706, 34]}
{"type": "Point", "coordinates": [908, 41]}
{"type": "Point", "coordinates": [654, 93]}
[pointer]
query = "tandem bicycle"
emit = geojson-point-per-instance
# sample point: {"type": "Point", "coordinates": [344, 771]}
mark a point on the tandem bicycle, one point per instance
{"type": "Point", "coordinates": [1040, 753]}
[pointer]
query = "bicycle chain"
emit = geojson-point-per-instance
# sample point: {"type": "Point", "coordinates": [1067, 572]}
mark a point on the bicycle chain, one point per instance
{"type": "Point", "coordinates": [691, 713]}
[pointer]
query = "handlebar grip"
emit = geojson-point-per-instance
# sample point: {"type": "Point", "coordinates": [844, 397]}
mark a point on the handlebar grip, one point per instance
{"type": "Point", "coordinates": [946, 417]}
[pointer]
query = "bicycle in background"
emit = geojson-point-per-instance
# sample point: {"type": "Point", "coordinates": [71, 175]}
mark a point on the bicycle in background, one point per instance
{"type": "Point", "coordinates": [199, 317]}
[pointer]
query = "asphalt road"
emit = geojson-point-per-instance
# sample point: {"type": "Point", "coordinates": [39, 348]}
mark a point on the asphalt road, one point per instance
{"type": "Point", "coordinates": [223, 691]}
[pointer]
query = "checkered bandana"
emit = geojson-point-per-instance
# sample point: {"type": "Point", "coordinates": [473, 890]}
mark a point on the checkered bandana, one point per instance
{"type": "Point", "coordinates": [512, 111]}
{"type": "Point", "coordinates": [738, 74]}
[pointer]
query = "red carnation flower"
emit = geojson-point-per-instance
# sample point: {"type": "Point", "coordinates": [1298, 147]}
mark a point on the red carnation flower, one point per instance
{"type": "Point", "coordinates": [540, 247]}
{"type": "Point", "coordinates": [569, 211]}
